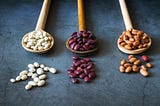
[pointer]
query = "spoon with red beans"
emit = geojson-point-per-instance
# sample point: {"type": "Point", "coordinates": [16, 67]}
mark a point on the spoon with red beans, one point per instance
{"type": "Point", "coordinates": [82, 42]}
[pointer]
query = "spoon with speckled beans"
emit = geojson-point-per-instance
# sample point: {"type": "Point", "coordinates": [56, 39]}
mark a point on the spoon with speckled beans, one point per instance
{"type": "Point", "coordinates": [39, 41]}
{"type": "Point", "coordinates": [82, 42]}
{"type": "Point", "coordinates": [132, 41]}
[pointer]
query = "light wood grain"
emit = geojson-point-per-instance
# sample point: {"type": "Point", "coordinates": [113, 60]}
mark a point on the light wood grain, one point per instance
{"type": "Point", "coordinates": [43, 15]}
{"type": "Point", "coordinates": [125, 14]}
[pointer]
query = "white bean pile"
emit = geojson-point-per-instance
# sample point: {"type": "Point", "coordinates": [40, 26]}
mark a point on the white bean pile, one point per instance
{"type": "Point", "coordinates": [36, 72]}
{"type": "Point", "coordinates": [37, 40]}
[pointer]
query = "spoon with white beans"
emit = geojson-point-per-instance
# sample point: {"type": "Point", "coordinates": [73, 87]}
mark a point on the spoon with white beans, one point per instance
{"type": "Point", "coordinates": [132, 41]}
{"type": "Point", "coordinates": [39, 41]}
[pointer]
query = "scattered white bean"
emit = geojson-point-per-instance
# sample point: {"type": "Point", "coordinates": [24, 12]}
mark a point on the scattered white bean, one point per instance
{"type": "Point", "coordinates": [53, 70]}
{"type": "Point", "coordinates": [42, 66]}
{"type": "Point", "coordinates": [28, 87]}
{"type": "Point", "coordinates": [12, 80]}
{"type": "Point", "coordinates": [41, 83]}
{"type": "Point", "coordinates": [43, 76]}
{"type": "Point", "coordinates": [33, 83]}
{"type": "Point", "coordinates": [24, 72]}
{"type": "Point", "coordinates": [30, 74]}
{"type": "Point", "coordinates": [32, 70]}
{"type": "Point", "coordinates": [30, 66]}
{"type": "Point", "coordinates": [36, 79]}
{"type": "Point", "coordinates": [34, 75]}
{"type": "Point", "coordinates": [18, 78]}
{"type": "Point", "coordinates": [36, 64]}
{"type": "Point", "coordinates": [23, 77]}
{"type": "Point", "coordinates": [46, 68]}
{"type": "Point", "coordinates": [40, 71]}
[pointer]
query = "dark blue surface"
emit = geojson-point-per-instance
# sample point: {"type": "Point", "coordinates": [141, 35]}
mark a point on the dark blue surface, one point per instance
{"type": "Point", "coordinates": [104, 19]}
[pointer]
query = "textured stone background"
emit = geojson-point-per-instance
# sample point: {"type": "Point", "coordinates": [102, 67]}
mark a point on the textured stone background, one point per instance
{"type": "Point", "coordinates": [104, 18]}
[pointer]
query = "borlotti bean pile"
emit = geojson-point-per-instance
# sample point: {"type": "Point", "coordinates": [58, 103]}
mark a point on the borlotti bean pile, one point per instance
{"type": "Point", "coordinates": [134, 64]}
{"type": "Point", "coordinates": [37, 72]}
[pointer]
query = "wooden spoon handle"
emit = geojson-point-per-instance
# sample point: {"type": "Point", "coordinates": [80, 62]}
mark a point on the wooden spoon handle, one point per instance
{"type": "Point", "coordinates": [43, 15]}
{"type": "Point", "coordinates": [81, 16]}
{"type": "Point", "coordinates": [125, 15]}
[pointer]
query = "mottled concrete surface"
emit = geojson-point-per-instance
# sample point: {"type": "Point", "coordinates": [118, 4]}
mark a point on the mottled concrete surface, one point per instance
{"type": "Point", "coordinates": [104, 18]}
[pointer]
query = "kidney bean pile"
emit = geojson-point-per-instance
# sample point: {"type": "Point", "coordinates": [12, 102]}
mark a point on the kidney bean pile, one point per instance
{"type": "Point", "coordinates": [82, 68]}
{"type": "Point", "coordinates": [82, 41]}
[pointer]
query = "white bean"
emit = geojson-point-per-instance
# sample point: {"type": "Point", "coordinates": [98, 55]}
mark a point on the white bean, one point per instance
{"type": "Point", "coordinates": [36, 79]}
{"type": "Point", "coordinates": [41, 83]}
{"type": "Point", "coordinates": [24, 72]}
{"type": "Point", "coordinates": [40, 71]}
{"type": "Point", "coordinates": [40, 48]}
{"type": "Point", "coordinates": [53, 70]}
{"type": "Point", "coordinates": [34, 75]}
{"type": "Point", "coordinates": [30, 74]}
{"type": "Point", "coordinates": [46, 68]}
{"type": "Point", "coordinates": [30, 66]}
{"type": "Point", "coordinates": [28, 87]}
{"type": "Point", "coordinates": [32, 70]}
{"type": "Point", "coordinates": [33, 83]}
{"type": "Point", "coordinates": [23, 77]}
{"type": "Point", "coordinates": [25, 40]}
{"type": "Point", "coordinates": [36, 64]}
{"type": "Point", "coordinates": [18, 78]}
{"type": "Point", "coordinates": [12, 80]}
{"type": "Point", "coordinates": [43, 76]}
{"type": "Point", "coordinates": [42, 66]}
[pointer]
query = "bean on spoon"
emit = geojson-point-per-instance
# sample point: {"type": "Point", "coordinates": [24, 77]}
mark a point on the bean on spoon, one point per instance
{"type": "Point", "coordinates": [132, 41]}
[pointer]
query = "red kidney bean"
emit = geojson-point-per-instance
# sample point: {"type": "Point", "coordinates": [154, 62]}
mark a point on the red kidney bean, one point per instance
{"type": "Point", "coordinates": [82, 75]}
{"type": "Point", "coordinates": [86, 71]}
{"type": "Point", "coordinates": [145, 58]}
{"type": "Point", "coordinates": [71, 41]}
{"type": "Point", "coordinates": [72, 45]}
{"type": "Point", "coordinates": [79, 68]}
{"type": "Point", "coordinates": [83, 66]}
{"type": "Point", "coordinates": [70, 71]}
{"type": "Point", "coordinates": [76, 47]}
{"type": "Point", "coordinates": [86, 79]}
{"type": "Point", "coordinates": [72, 75]}
{"type": "Point", "coordinates": [74, 80]}
{"type": "Point", "coordinates": [86, 47]}
{"type": "Point", "coordinates": [78, 72]}
{"type": "Point", "coordinates": [89, 66]}
{"type": "Point", "coordinates": [87, 59]}
{"type": "Point", "coordinates": [77, 63]}
{"type": "Point", "coordinates": [75, 57]}
{"type": "Point", "coordinates": [82, 61]}
{"type": "Point", "coordinates": [92, 75]}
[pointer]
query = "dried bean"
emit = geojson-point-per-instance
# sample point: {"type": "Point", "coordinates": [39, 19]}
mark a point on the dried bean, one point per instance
{"type": "Point", "coordinates": [144, 72]}
{"type": "Point", "coordinates": [122, 69]}
{"type": "Point", "coordinates": [149, 65]}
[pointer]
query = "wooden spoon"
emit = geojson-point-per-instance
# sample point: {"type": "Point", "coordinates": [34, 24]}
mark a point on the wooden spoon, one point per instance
{"type": "Point", "coordinates": [82, 27]}
{"type": "Point", "coordinates": [128, 25]}
{"type": "Point", "coordinates": [40, 27]}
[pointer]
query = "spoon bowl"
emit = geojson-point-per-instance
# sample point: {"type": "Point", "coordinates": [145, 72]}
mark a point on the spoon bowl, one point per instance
{"type": "Point", "coordinates": [24, 45]}
{"type": "Point", "coordinates": [136, 51]}
{"type": "Point", "coordinates": [80, 52]}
